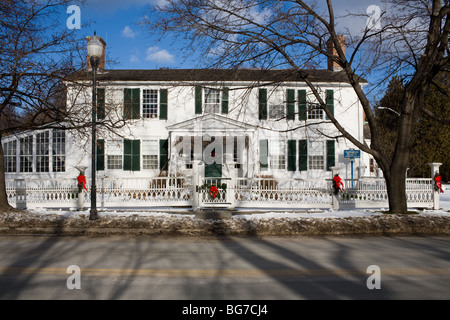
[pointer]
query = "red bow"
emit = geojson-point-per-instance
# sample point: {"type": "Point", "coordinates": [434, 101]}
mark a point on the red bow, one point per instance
{"type": "Point", "coordinates": [338, 182]}
{"type": "Point", "coordinates": [213, 191]}
{"type": "Point", "coordinates": [82, 181]}
{"type": "Point", "coordinates": [437, 180]}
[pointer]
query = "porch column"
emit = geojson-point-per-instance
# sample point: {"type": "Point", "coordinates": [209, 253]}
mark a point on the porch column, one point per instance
{"type": "Point", "coordinates": [435, 169]}
{"type": "Point", "coordinates": [21, 194]}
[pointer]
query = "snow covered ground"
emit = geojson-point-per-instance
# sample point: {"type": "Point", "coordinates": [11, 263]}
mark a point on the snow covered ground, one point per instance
{"type": "Point", "coordinates": [313, 213]}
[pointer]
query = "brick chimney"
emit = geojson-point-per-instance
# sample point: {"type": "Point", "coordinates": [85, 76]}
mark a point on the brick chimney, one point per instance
{"type": "Point", "coordinates": [101, 65]}
{"type": "Point", "coordinates": [331, 50]}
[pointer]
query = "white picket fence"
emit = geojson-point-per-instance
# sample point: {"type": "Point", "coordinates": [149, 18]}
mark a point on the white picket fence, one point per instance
{"type": "Point", "coordinates": [217, 192]}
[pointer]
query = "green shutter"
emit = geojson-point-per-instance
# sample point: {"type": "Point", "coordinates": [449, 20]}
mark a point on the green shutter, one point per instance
{"type": "Point", "coordinates": [302, 107]}
{"type": "Point", "coordinates": [101, 103]}
{"type": "Point", "coordinates": [163, 154]}
{"type": "Point", "coordinates": [302, 155]}
{"type": "Point", "coordinates": [290, 104]}
{"type": "Point", "coordinates": [330, 154]}
{"type": "Point", "coordinates": [225, 100]}
{"type": "Point", "coordinates": [262, 104]}
{"type": "Point", "coordinates": [292, 155]}
{"type": "Point", "coordinates": [132, 104]}
{"type": "Point", "coordinates": [100, 154]}
{"type": "Point", "coordinates": [330, 101]}
{"type": "Point", "coordinates": [163, 97]}
{"type": "Point", "coordinates": [263, 154]}
{"type": "Point", "coordinates": [198, 100]}
{"type": "Point", "coordinates": [127, 154]}
{"type": "Point", "coordinates": [132, 155]}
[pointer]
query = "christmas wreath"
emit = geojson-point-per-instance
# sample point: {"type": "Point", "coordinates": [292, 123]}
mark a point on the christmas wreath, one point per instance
{"type": "Point", "coordinates": [81, 182]}
{"type": "Point", "coordinates": [437, 183]}
{"type": "Point", "coordinates": [338, 186]}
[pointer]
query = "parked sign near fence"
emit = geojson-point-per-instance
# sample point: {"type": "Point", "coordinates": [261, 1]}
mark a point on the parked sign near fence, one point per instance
{"type": "Point", "coordinates": [352, 154]}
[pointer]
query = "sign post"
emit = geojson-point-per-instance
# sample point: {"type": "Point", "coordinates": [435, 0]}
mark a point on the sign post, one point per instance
{"type": "Point", "coordinates": [352, 154]}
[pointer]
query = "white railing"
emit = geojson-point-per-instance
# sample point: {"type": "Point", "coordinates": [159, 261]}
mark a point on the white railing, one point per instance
{"type": "Point", "coordinates": [372, 192]}
{"type": "Point", "coordinates": [162, 191]}
{"type": "Point", "coordinates": [238, 192]}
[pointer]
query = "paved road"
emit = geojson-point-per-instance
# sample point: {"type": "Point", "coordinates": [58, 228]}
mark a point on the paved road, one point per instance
{"type": "Point", "coordinates": [229, 268]}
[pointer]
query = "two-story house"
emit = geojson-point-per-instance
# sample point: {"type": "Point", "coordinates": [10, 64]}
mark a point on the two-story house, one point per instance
{"type": "Point", "coordinates": [262, 122]}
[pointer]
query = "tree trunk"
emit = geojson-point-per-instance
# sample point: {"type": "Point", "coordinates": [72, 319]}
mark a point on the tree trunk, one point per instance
{"type": "Point", "coordinates": [395, 175]}
{"type": "Point", "coordinates": [396, 189]}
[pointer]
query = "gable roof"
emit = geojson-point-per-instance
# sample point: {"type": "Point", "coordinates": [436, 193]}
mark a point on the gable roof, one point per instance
{"type": "Point", "coordinates": [210, 122]}
{"type": "Point", "coordinates": [214, 75]}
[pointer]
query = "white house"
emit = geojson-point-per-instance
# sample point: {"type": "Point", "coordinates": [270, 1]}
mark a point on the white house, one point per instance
{"type": "Point", "coordinates": [259, 122]}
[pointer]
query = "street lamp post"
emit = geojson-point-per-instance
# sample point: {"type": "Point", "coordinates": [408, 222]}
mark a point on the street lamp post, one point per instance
{"type": "Point", "coordinates": [95, 51]}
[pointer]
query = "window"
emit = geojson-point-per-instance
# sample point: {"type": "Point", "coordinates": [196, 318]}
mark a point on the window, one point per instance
{"type": "Point", "coordinates": [276, 111]}
{"type": "Point", "coordinates": [315, 111]}
{"type": "Point", "coordinates": [10, 156]}
{"type": "Point", "coordinates": [316, 158]}
{"type": "Point", "coordinates": [114, 149]}
{"type": "Point", "coordinates": [42, 152]}
{"type": "Point", "coordinates": [212, 100]}
{"type": "Point", "coordinates": [277, 105]}
{"type": "Point", "coordinates": [150, 103]}
{"type": "Point", "coordinates": [26, 154]}
{"type": "Point", "coordinates": [150, 154]}
{"type": "Point", "coordinates": [59, 151]}
{"type": "Point", "coordinates": [277, 154]}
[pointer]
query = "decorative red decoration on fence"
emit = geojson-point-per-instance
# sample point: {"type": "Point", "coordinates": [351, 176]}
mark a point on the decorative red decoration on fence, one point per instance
{"type": "Point", "coordinates": [82, 182]}
{"type": "Point", "coordinates": [437, 183]}
{"type": "Point", "coordinates": [338, 185]}
{"type": "Point", "coordinates": [214, 191]}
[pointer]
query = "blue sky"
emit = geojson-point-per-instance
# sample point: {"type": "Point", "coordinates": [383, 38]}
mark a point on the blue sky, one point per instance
{"type": "Point", "coordinates": [134, 48]}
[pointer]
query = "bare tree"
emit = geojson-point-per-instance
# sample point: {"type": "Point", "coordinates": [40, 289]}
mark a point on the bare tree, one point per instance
{"type": "Point", "coordinates": [39, 57]}
{"type": "Point", "coordinates": [293, 35]}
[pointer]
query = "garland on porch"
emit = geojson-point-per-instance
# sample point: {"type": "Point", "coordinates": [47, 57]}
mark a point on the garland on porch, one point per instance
{"type": "Point", "coordinates": [437, 183]}
{"type": "Point", "coordinates": [337, 185]}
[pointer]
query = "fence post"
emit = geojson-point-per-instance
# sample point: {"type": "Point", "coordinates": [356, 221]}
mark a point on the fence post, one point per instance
{"type": "Point", "coordinates": [195, 184]}
{"type": "Point", "coordinates": [435, 169]}
{"type": "Point", "coordinates": [21, 194]}
{"type": "Point", "coordinates": [231, 186]}
{"type": "Point", "coordinates": [335, 197]}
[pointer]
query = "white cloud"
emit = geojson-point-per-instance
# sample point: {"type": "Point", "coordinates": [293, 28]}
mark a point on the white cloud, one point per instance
{"type": "Point", "coordinates": [127, 32]}
{"type": "Point", "coordinates": [134, 59]}
{"type": "Point", "coordinates": [159, 55]}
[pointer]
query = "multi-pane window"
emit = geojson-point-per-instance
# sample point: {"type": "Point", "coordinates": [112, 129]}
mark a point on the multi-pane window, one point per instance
{"type": "Point", "coordinates": [150, 154]}
{"type": "Point", "coordinates": [10, 150]}
{"type": "Point", "coordinates": [26, 154]}
{"type": "Point", "coordinates": [277, 108]}
{"type": "Point", "coordinates": [59, 151]}
{"type": "Point", "coordinates": [150, 103]}
{"type": "Point", "coordinates": [212, 100]}
{"type": "Point", "coordinates": [42, 152]}
{"type": "Point", "coordinates": [316, 155]}
{"type": "Point", "coordinates": [277, 154]}
{"type": "Point", "coordinates": [315, 111]}
{"type": "Point", "coordinates": [114, 150]}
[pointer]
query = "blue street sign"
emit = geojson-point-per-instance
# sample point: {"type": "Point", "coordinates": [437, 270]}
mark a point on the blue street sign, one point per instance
{"type": "Point", "coordinates": [352, 154]}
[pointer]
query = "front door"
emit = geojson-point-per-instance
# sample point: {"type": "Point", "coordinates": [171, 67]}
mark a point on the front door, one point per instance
{"type": "Point", "coordinates": [213, 170]}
